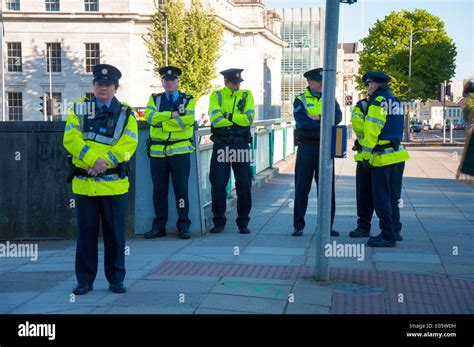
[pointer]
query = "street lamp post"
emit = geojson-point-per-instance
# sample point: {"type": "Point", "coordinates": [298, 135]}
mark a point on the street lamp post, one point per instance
{"type": "Point", "coordinates": [321, 270]}
{"type": "Point", "coordinates": [166, 35]}
{"type": "Point", "coordinates": [4, 102]}
{"type": "Point", "coordinates": [407, 125]}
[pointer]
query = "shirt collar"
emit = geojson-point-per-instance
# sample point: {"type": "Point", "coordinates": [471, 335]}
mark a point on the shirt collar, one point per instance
{"type": "Point", "coordinates": [99, 104]}
{"type": "Point", "coordinates": [316, 95]}
{"type": "Point", "coordinates": [175, 95]}
{"type": "Point", "coordinates": [227, 90]}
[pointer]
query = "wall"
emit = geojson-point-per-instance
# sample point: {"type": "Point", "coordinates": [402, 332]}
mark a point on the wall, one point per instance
{"type": "Point", "coordinates": [36, 202]}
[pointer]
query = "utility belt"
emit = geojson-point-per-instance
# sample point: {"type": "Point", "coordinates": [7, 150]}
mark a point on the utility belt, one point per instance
{"type": "Point", "coordinates": [304, 136]}
{"type": "Point", "coordinates": [395, 144]}
{"type": "Point", "coordinates": [232, 138]}
{"type": "Point", "coordinates": [122, 170]}
{"type": "Point", "coordinates": [150, 142]}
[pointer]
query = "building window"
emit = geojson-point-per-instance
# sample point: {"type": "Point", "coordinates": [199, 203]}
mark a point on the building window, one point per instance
{"type": "Point", "coordinates": [15, 106]}
{"type": "Point", "coordinates": [14, 56]}
{"type": "Point", "coordinates": [302, 54]}
{"type": "Point", "coordinates": [91, 5]}
{"type": "Point", "coordinates": [13, 5]}
{"type": "Point", "coordinates": [92, 55]}
{"type": "Point", "coordinates": [52, 5]}
{"type": "Point", "coordinates": [53, 53]}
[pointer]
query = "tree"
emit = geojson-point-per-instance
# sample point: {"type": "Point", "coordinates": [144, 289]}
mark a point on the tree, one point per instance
{"type": "Point", "coordinates": [194, 41]}
{"type": "Point", "coordinates": [386, 49]}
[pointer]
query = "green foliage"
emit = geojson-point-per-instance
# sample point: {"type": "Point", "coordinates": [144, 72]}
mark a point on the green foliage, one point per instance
{"type": "Point", "coordinates": [194, 40]}
{"type": "Point", "coordinates": [386, 49]}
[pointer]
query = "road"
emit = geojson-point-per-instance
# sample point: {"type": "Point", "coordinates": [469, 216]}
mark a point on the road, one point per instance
{"type": "Point", "coordinates": [433, 136]}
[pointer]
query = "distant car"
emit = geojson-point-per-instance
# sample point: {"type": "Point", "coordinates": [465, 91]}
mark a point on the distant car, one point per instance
{"type": "Point", "coordinates": [416, 128]}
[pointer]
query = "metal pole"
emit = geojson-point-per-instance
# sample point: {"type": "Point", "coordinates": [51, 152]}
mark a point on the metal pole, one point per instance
{"type": "Point", "coordinates": [407, 123]}
{"type": "Point", "coordinates": [323, 229]}
{"type": "Point", "coordinates": [50, 83]}
{"type": "Point", "coordinates": [166, 37]}
{"type": "Point", "coordinates": [444, 112]}
{"type": "Point", "coordinates": [451, 130]}
{"type": "Point", "coordinates": [4, 102]}
{"type": "Point", "coordinates": [342, 93]}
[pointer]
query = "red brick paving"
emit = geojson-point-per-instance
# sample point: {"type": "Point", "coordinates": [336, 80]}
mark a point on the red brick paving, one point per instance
{"type": "Point", "coordinates": [421, 293]}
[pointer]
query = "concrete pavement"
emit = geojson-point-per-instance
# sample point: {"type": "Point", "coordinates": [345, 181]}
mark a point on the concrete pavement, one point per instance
{"type": "Point", "coordinates": [269, 271]}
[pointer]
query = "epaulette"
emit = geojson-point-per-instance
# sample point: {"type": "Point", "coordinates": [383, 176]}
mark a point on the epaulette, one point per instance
{"type": "Point", "coordinates": [379, 98]}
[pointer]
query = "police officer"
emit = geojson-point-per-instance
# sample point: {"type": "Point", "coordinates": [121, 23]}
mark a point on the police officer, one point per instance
{"type": "Point", "coordinates": [365, 205]}
{"type": "Point", "coordinates": [171, 118]}
{"type": "Point", "coordinates": [101, 135]}
{"type": "Point", "coordinates": [232, 112]}
{"type": "Point", "coordinates": [307, 109]}
{"type": "Point", "coordinates": [381, 150]}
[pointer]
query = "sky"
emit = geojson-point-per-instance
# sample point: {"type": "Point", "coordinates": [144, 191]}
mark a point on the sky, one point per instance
{"type": "Point", "coordinates": [356, 20]}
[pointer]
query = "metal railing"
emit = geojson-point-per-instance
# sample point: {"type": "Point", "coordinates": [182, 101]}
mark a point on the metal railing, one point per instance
{"type": "Point", "coordinates": [272, 141]}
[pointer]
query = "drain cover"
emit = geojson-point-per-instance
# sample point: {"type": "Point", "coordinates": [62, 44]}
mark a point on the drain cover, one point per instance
{"type": "Point", "coordinates": [354, 288]}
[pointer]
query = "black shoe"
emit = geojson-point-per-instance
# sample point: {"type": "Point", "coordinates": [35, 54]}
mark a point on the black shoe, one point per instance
{"type": "Point", "coordinates": [359, 233]}
{"type": "Point", "coordinates": [184, 234]}
{"type": "Point", "coordinates": [380, 242]}
{"type": "Point", "coordinates": [244, 230]}
{"type": "Point", "coordinates": [297, 232]}
{"type": "Point", "coordinates": [379, 236]}
{"type": "Point", "coordinates": [398, 237]}
{"type": "Point", "coordinates": [82, 288]}
{"type": "Point", "coordinates": [154, 233]}
{"type": "Point", "coordinates": [118, 288]}
{"type": "Point", "coordinates": [334, 233]}
{"type": "Point", "coordinates": [217, 229]}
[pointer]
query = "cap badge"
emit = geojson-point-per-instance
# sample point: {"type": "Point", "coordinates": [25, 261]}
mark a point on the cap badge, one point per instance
{"type": "Point", "coordinates": [104, 71]}
{"type": "Point", "coordinates": [169, 72]}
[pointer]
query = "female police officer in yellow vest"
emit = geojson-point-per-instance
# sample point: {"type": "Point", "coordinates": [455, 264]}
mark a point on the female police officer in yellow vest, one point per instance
{"type": "Point", "coordinates": [101, 135]}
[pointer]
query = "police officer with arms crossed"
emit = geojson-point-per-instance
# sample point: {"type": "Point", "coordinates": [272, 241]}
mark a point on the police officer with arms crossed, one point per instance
{"type": "Point", "coordinates": [101, 144]}
{"type": "Point", "coordinates": [171, 118]}
{"type": "Point", "coordinates": [382, 152]}
{"type": "Point", "coordinates": [365, 205]}
{"type": "Point", "coordinates": [307, 109]}
{"type": "Point", "coordinates": [232, 112]}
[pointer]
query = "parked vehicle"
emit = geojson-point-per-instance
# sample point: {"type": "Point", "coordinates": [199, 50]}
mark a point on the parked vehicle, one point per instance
{"type": "Point", "coordinates": [416, 128]}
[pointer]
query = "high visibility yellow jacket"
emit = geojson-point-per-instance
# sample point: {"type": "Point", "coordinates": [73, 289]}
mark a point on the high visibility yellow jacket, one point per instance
{"type": "Point", "coordinates": [173, 135]}
{"type": "Point", "coordinates": [311, 104]}
{"type": "Point", "coordinates": [229, 109]}
{"type": "Point", "coordinates": [383, 123]}
{"type": "Point", "coordinates": [112, 137]}
{"type": "Point", "coordinates": [358, 117]}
